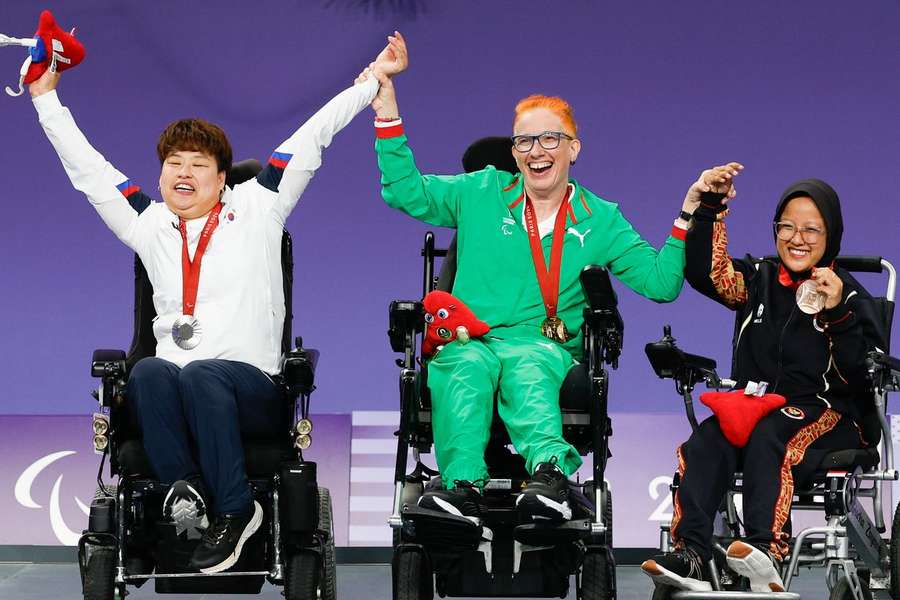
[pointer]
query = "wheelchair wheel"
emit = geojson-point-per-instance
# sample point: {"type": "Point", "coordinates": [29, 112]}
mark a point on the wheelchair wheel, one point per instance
{"type": "Point", "coordinates": [842, 591]}
{"type": "Point", "coordinates": [895, 556]}
{"type": "Point", "coordinates": [607, 499]}
{"type": "Point", "coordinates": [100, 574]}
{"type": "Point", "coordinates": [608, 517]}
{"type": "Point", "coordinates": [329, 564]}
{"type": "Point", "coordinates": [597, 577]}
{"type": "Point", "coordinates": [301, 581]}
{"type": "Point", "coordinates": [412, 577]}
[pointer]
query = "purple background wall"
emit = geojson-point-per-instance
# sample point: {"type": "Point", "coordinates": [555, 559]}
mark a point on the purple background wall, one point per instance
{"type": "Point", "coordinates": [661, 90]}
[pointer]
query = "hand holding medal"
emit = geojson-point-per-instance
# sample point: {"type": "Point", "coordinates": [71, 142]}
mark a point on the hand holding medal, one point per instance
{"type": "Point", "coordinates": [822, 291]}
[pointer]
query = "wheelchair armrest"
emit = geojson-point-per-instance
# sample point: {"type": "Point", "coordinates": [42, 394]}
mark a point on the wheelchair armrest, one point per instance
{"type": "Point", "coordinates": [884, 370]}
{"type": "Point", "coordinates": [407, 317]}
{"type": "Point", "coordinates": [671, 362]}
{"type": "Point", "coordinates": [298, 368]}
{"type": "Point", "coordinates": [108, 363]}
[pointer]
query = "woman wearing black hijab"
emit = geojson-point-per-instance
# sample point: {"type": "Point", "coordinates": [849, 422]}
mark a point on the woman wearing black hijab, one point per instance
{"type": "Point", "coordinates": [813, 355]}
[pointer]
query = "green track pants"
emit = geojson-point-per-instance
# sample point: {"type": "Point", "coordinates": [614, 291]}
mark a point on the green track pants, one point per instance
{"type": "Point", "coordinates": [528, 372]}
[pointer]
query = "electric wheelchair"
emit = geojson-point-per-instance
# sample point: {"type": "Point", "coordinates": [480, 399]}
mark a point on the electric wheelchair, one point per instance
{"type": "Point", "coordinates": [127, 541]}
{"type": "Point", "coordinates": [450, 553]}
{"type": "Point", "coordinates": [858, 563]}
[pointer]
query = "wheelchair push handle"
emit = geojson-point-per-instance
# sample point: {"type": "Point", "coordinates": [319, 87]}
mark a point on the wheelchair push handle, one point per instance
{"type": "Point", "coordinates": [860, 264]}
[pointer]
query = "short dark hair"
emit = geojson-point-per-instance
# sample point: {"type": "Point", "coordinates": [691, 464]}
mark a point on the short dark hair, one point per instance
{"type": "Point", "coordinates": [195, 135]}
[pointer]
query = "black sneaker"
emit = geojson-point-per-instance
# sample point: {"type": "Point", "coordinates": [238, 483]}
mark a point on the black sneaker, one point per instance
{"type": "Point", "coordinates": [464, 500]}
{"type": "Point", "coordinates": [546, 496]}
{"type": "Point", "coordinates": [759, 566]}
{"type": "Point", "coordinates": [185, 505]}
{"type": "Point", "coordinates": [681, 569]}
{"type": "Point", "coordinates": [221, 544]}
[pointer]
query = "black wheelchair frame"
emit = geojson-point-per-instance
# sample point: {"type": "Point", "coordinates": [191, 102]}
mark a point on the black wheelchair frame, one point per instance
{"type": "Point", "coordinates": [857, 561]}
{"type": "Point", "coordinates": [436, 548]}
{"type": "Point", "coordinates": [126, 536]}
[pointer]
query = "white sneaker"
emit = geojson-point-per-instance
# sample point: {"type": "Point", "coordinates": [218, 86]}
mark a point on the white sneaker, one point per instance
{"type": "Point", "coordinates": [756, 565]}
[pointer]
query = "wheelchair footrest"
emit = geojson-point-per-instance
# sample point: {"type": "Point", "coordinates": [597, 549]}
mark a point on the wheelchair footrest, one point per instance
{"type": "Point", "coordinates": [441, 531]}
{"type": "Point", "coordinates": [551, 534]}
{"type": "Point", "coordinates": [174, 552]}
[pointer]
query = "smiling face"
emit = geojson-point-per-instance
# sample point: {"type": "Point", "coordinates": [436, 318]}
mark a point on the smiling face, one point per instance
{"type": "Point", "coordinates": [191, 183]}
{"type": "Point", "coordinates": [546, 172]}
{"type": "Point", "coordinates": [798, 254]}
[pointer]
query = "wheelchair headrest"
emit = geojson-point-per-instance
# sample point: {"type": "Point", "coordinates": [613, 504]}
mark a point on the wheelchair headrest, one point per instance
{"type": "Point", "coordinates": [242, 171]}
{"type": "Point", "coordinates": [492, 150]}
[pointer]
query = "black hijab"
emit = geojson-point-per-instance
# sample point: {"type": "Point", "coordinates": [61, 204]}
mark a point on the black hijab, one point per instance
{"type": "Point", "coordinates": [829, 205]}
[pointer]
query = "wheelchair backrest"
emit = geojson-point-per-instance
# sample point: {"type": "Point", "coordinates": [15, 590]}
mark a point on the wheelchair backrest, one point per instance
{"type": "Point", "coordinates": [492, 150]}
{"type": "Point", "coordinates": [143, 342]}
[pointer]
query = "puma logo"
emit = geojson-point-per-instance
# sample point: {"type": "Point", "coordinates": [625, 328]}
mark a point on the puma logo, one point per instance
{"type": "Point", "coordinates": [580, 236]}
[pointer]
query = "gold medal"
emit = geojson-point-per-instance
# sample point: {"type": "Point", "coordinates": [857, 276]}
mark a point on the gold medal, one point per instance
{"type": "Point", "coordinates": [809, 299]}
{"type": "Point", "coordinates": [555, 329]}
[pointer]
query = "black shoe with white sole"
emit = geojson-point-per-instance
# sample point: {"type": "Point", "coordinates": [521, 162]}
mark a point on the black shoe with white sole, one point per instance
{"type": "Point", "coordinates": [546, 496]}
{"type": "Point", "coordinates": [185, 505]}
{"type": "Point", "coordinates": [464, 500]}
{"type": "Point", "coordinates": [221, 544]}
{"type": "Point", "coordinates": [681, 569]}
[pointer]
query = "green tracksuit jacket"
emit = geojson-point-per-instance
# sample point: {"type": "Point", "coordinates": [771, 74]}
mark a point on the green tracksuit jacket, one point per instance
{"type": "Point", "coordinates": [496, 279]}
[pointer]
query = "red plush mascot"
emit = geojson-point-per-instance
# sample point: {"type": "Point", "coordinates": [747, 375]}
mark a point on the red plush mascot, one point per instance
{"type": "Point", "coordinates": [50, 48]}
{"type": "Point", "coordinates": [739, 412]}
{"type": "Point", "coordinates": [448, 319]}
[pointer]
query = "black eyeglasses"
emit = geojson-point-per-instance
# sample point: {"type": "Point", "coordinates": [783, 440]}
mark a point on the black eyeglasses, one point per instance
{"type": "Point", "coordinates": [785, 231]}
{"type": "Point", "coordinates": [549, 140]}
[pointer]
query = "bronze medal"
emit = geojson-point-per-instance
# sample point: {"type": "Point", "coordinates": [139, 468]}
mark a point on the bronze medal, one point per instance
{"type": "Point", "coordinates": [809, 299]}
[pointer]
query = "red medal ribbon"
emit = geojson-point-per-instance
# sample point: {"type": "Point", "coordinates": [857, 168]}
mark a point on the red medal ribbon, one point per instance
{"type": "Point", "coordinates": [190, 270]}
{"type": "Point", "coordinates": [548, 281]}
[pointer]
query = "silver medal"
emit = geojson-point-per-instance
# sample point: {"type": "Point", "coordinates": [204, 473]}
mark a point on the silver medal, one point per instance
{"type": "Point", "coordinates": [809, 299]}
{"type": "Point", "coordinates": [186, 332]}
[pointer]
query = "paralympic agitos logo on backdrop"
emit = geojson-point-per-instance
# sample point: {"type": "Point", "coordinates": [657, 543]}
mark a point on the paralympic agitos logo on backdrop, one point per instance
{"type": "Point", "coordinates": [23, 493]}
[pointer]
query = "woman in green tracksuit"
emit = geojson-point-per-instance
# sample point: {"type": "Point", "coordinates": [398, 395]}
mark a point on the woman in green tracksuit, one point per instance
{"type": "Point", "coordinates": [511, 230]}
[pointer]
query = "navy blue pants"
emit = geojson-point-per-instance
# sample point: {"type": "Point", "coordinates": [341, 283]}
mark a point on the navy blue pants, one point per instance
{"type": "Point", "coordinates": [192, 419]}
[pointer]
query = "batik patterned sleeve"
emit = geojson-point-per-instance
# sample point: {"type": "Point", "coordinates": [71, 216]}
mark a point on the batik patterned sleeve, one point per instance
{"type": "Point", "coordinates": [710, 269]}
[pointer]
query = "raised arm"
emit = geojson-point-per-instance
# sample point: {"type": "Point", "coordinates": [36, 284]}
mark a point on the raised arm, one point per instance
{"type": "Point", "coordinates": [709, 268]}
{"type": "Point", "coordinates": [657, 275]}
{"type": "Point", "coordinates": [114, 197]}
{"type": "Point", "coordinates": [434, 199]}
{"type": "Point", "coordinates": [660, 275]}
{"type": "Point", "coordinates": [294, 162]}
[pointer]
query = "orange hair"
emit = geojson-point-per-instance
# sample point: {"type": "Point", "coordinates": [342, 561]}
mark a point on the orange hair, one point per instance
{"type": "Point", "coordinates": [554, 104]}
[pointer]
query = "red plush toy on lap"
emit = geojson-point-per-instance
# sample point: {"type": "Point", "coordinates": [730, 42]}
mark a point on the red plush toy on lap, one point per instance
{"type": "Point", "coordinates": [50, 48]}
{"type": "Point", "coordinates": [447, 319]}
{"type": "Point", "coordinates": [738, 413]}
